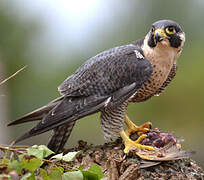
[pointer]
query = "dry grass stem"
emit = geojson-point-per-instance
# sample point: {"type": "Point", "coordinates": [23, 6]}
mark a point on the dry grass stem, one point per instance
{"type": "Point", "coordinates": [5, 80]}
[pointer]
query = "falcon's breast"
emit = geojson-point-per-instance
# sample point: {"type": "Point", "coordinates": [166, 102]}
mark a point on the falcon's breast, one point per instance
{"type": "Point", "coordinates": [163, 60]}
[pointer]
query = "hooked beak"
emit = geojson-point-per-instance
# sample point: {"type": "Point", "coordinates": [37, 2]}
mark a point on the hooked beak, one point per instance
{"type": "Point", "coordinates": [159, 35]}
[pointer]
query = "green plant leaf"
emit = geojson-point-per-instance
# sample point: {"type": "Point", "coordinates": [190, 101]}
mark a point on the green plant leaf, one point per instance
{"type": "Point", "coordinates": [15, 164]}
{"type": "Point", "coordinates": [81, 167]}
{"type": "Point", "coordinates": [35, 152]}
{"type": "Point", "coordinates": [46, 150]}
{"type": "Point", "coordinates": [60, 169]}
{"type": "Point", "coordinates": [31, 164]}
{"type": "Point", "coordinates": [93, 173]}
{"type": "Point", "coordinates": [89, 175]}
{"type": "Point", "coordinates": [96, 170]}
{"type": "Point", "coordinates": [39, 151]}
{"type": "Point", "coordinates": [56, 174]}
{"type": "Point", "coordinates": [4, 161]}
{"type": "Point", "coordinates": [69, 156]}
{"type": "Point", "coordinates": [44, 175]}
{"type": "Point", "coordinates": [74, 175]}
{"type": "Point", "coordinates": [58, 156]}
{"type": "Point", "coordinates": [20, 157]}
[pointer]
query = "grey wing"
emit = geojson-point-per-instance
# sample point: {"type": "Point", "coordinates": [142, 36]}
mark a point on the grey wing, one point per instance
{"type": "Point", "coordinates": [168, 80]}
{"type": "Point", "coordinates": [107, 80]}
{"type": "Point", "coordinates": [107, 72]}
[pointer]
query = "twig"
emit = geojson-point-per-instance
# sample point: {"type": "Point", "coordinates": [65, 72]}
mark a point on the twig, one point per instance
{"type": "Point", "coordinates": [5, 80]}
{"type": "Point", "coordinates": [10, 149]}
{"type": "Point", "coordinates": [18, 146]}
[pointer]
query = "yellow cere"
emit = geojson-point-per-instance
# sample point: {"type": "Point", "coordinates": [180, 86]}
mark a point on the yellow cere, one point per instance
{"type": "Point", "coordinates": [160, 31]}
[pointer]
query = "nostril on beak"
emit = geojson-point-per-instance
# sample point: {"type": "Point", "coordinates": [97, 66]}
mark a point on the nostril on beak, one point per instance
{"type": "Point", "coordinates": [158, 37]}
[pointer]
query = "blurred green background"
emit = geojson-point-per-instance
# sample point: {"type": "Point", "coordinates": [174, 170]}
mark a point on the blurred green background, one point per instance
{"type": "Point", "coordinates": [54, 37]}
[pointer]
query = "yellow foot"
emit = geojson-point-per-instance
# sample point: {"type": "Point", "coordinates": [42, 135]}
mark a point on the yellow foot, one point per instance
{"type": "Point", "coordinates": [130, 144]}
{"type": "Point", "coordinates": [138, 129]}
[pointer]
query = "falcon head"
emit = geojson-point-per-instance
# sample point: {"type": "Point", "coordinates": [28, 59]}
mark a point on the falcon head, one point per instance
{"type": "Point", "coordinates": [165, 33]}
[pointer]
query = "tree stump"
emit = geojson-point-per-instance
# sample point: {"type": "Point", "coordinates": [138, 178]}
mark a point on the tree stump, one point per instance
{"type": "Point", "coordinates": [119, 166]}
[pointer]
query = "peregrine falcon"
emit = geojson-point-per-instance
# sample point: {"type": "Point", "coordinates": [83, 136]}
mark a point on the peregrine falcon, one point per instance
{"type": "Point", "coordinates": [107, 83]}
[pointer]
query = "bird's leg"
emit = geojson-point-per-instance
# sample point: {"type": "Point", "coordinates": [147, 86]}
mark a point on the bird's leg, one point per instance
{"type": "Point", "coordinates": [129, 144]}
{"type": "Point", "coordinates": [125, 135]}
{"type": "Point", "coordinates": [134, 128]}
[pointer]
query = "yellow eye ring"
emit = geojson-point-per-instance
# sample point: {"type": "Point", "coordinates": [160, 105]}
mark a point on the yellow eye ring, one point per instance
{"type": "Point", "coordinates": [171, 30]}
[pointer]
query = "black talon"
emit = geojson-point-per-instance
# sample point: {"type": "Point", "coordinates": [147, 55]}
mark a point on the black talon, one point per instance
{"type": "Point", "coordinates": [150, 126]}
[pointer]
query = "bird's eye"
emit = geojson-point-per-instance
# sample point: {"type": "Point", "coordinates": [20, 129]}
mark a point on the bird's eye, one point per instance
{"type": "Point", "coordinates": [171, 30]}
